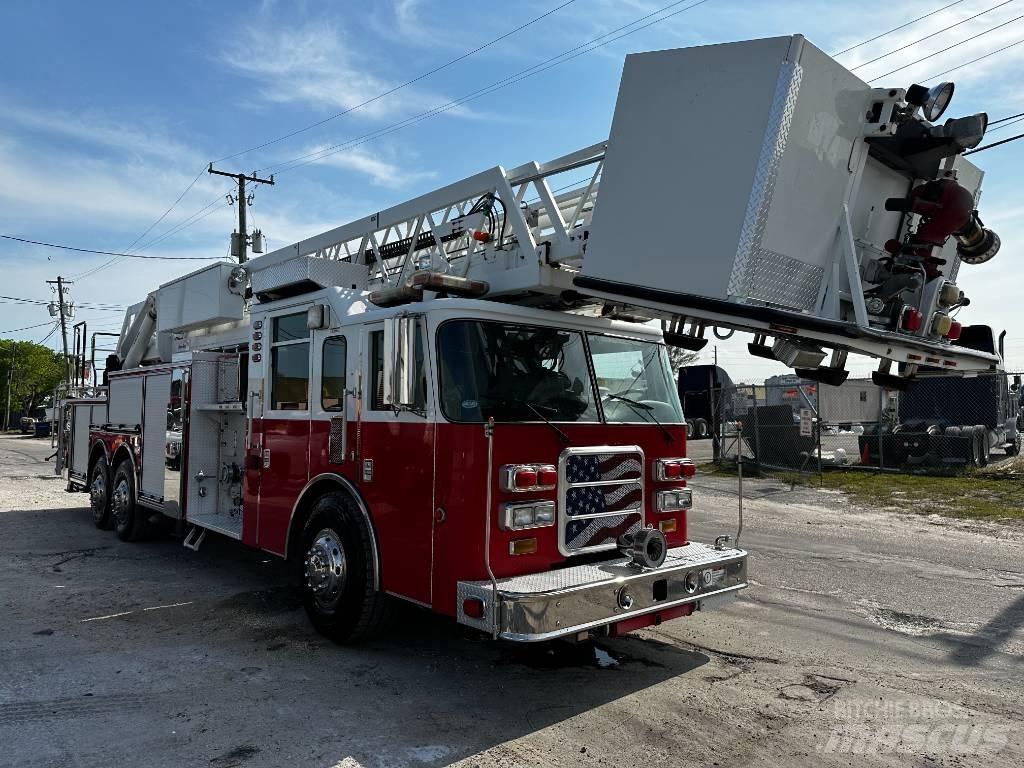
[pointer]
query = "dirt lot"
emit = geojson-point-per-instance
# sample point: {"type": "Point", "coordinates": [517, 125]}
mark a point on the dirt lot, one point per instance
{"type": "Point", "coordinates": [866, 639]}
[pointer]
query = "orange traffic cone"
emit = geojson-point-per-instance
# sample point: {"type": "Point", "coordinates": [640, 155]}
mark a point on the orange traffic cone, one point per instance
{"type": "Point", "coordinates": [865, 455]}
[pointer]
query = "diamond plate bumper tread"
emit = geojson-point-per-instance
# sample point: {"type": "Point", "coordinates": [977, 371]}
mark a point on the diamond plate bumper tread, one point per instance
{"type": "Point", "coordinates": [543, 606]}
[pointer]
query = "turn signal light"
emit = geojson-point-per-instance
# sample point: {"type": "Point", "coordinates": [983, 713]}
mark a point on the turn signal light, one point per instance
{"type": "Point", "coordinates": [674, 469]}
{"type": "Point", "coordinates": [668, 526]}
{"type": "Point", "coordinates": [911, 319]}
{"type": "Point", "coordinates": [954, 331]}
{"type": "Point", "coordinates": [522, 546]}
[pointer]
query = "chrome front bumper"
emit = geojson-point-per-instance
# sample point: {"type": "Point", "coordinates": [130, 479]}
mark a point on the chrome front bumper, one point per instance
{"type": "Point", "coordinates": [543, 606]}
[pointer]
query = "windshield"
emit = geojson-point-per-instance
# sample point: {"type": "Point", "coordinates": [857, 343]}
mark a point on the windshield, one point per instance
{"type": "Point", "coordinates": [515, 372]}
{"type": "Point", "coordinates": [634, 380]}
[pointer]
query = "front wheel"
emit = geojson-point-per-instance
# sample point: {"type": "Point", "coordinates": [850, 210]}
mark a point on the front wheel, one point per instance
{"type": "Point", "coordinates": [338, 572]}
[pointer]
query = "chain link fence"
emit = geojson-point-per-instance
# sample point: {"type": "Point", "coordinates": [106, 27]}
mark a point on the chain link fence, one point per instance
{"type": "Point", "coordinates": [937, 425]}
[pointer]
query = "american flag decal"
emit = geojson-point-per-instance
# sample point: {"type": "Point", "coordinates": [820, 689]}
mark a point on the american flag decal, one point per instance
{"type": "Point", "coordinates": [603, 498]}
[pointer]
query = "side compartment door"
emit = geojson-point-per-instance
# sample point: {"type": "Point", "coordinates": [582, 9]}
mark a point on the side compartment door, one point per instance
{"type": "Point", "coordinates": [284, 457]}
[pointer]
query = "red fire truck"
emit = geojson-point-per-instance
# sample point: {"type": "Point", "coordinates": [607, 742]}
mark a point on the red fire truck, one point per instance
{"type": "Point", "coordinates": [465, 401]}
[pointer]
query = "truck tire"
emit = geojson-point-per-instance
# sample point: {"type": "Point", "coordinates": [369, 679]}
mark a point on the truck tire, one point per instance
{"type": "Point", "coordinates": [702, 428]}
{"type": "Point", "coordinates": [99, 493]}
{"type": "Point", "coordinates": [983, 447]}
{"type": "Point", "coordinates": [337, 572]}
{"type": "Point", "coordinates": [691, 430]}
{"type": "Point", "coordinates": [128, 520]}
{"type": "Point", "coordinates": [1013, 447]}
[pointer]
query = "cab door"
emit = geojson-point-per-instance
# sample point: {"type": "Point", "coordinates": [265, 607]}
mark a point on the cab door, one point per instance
{"type": "Point", "coordinates": [283, 462]}
{"type": "Point", "coordinates": [395, 454]}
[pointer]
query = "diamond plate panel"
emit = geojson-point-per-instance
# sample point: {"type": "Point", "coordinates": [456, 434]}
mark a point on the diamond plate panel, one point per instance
{"type": "Point", "coordinates": [323, 272]}
{"type": "Point", "coordinates": [778, 279]}
{"type": "Point", "coordinates": [690, 556]}
{"type": "Point", "coordinates": [787, 88]}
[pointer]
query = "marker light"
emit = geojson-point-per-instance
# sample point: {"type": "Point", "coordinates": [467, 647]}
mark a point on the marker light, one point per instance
{"type": "Point", "coordinates": [528, 477]}
{"type": "Point", "coordinates": [674, 469]}
{"type": "Point", "coordinates": [911, 319]}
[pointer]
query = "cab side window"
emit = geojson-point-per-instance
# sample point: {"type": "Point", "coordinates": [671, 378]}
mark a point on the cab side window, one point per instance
{"type": "Point", "coordinates": [289, 363]}
{"type": "Point", "coordinates": [332, 374]}
{"type": "Point", "coordinates": [377, 371]}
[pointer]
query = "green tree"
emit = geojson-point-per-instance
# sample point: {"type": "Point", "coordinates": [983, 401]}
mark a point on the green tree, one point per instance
{"type": "Point", "coordinates": [36, 373]}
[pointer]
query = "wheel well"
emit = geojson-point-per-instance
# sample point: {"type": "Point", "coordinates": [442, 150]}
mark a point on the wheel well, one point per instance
{"type": "Point", "coordinates": [97, 452]}
{"type": "Point", "coordinates": [313, 491]}
{"type": "Point", "coordinates": [123, 453]}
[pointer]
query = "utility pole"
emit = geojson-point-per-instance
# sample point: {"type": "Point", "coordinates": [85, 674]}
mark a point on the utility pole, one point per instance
{"type": "Point", "coordinates": [62, 308]}
{"type": "Point", "coordinates": [243, 233]}
{"type": "Point", "coordinates": [10, 384]}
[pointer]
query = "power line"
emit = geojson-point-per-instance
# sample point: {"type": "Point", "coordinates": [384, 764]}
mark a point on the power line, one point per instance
{"type": "Point", "coordinates": [82, 304]}
{"type": "Point", "coordinates": [995, 144]}
{"type": "Point", "coordinates": [106, 253]}
{"type": "Point", "coordinates": [399, 87]}
{"type": "Point", "coordinates": [27, 327]}
{"type": "Point", "coordinates": [365, 103]}
{"type": "Point", "coordinates": [972, 61]}
{"type": "Point", "coordinates": [930, 36]}
{"type": "Point", "coordinates": [947, 48]}
{"type": "Point", "coordinates": [53, 330]}
{"type": "Point", "coordinates": [164, 214]}
{"type": "Point", "coordinates": [896, 29]}
{"type": "Point", "coordinates": [536, 69]}
{"type": "Point", "coordinates": [1004, 125]}
{"type": "Point", "coordinates": [185, 223]}
{"type": "Point", "coordinates": [1004, 119]}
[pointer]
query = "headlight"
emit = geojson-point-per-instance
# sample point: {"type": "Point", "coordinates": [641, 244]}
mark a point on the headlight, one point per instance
{"type": "Point", "coordinates": [674, 500]}
{"type": "Point", "coordinates": [529, 514]}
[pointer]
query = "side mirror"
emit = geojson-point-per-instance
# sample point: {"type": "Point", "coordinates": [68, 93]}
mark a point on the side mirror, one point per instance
{"type": "Point", "coordinates": [399, 361]}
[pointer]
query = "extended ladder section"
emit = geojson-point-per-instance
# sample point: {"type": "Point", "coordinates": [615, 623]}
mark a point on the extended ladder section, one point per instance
{"type": "Point", "coordinates": [758, 186]}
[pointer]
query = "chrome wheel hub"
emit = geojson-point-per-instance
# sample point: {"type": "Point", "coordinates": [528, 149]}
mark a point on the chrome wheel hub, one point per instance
{"type": "Point", "coordinates": [326, 568]}
{"type": "Point", "coordinates": [119, 502]}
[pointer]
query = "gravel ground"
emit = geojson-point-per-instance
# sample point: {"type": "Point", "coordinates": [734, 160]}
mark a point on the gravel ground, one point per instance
{"type": "Point", "coordinates": [865, 639]}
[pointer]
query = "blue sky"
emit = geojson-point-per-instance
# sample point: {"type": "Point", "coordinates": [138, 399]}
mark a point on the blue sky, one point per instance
{"type": "Point", "coordinates": [112, 108]}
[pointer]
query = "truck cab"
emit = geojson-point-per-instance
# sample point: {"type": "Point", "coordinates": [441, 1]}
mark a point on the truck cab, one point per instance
{"type": "Point", "coordinates": [501, 455]}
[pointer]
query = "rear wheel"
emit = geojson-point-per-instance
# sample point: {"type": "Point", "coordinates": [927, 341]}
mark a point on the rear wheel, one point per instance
{"type": "Point", "coordinates": [701, 427]}
{"type": "Point", "coordinates": [691, 429]}
{"type": "Point", "coordinates": [338, 572]}
{"type": "Point", "coordinates": [983, 446]}
{"type": "Point", "coordinates": [128, 520]}
{"type": "Point", "coordinates": [99, 493]}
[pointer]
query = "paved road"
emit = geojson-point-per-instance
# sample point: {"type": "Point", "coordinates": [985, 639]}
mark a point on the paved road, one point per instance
{"type": "Point", "coordinates": [862, 633]}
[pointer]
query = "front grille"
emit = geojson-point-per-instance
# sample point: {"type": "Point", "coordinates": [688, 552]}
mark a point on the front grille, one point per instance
{"type": "Point", "coordinates": [601, 497]}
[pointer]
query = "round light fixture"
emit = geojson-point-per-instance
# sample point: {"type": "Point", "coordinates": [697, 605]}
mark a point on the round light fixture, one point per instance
{"type": "Point", "coordinates": [937, 100]}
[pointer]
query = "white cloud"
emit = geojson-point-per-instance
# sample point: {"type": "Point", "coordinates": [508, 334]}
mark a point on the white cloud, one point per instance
{"type": "Point", "coordinates": [382, 172]}
{"type": "Point", "coordinates": [92, 127]}
{"type": "Point", "coordinates": [317, 64]}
